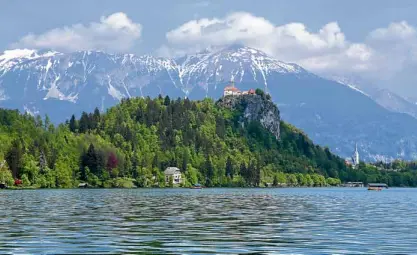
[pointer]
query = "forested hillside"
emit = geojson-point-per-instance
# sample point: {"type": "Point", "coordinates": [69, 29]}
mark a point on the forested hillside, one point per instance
{"type": "Point", "coordinates": [132, 143]}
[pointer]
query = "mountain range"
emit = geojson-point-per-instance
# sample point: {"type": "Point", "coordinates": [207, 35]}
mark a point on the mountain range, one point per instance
{"type": "Point", "coordinates": [332, 112]}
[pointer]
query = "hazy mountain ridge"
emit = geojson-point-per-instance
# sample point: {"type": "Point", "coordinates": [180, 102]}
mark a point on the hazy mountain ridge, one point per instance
{"type": "Point", "coordinates": [384, 97]}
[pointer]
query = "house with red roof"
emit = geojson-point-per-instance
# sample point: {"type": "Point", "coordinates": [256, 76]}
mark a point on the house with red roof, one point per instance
{"type": "Point", "coordinates": [231, 90]}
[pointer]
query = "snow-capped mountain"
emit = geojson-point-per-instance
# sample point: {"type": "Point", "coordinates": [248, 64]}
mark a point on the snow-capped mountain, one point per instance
{"type": "Point", "coordinates": [69, 77]}
{"type": "Point", "coordinates": [234, 63]}
{"type": "Point", "coordinates": [331, 113]}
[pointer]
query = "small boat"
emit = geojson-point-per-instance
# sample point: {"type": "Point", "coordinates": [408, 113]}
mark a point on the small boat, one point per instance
{"type": "Point", "coordinates": [83, 185]}
{"type": "Point", "coordinates": [196, 186]}
{"type": "Point", "coordinates": [3, 185]}
{"type": "Point", "coordinates": [377, 186]}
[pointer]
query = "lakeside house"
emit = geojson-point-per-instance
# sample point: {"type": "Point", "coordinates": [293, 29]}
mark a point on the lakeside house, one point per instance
{"type": "Point", "coordinates": [174, 174]}
{"type": "Point", "coordinates": [231, 90]}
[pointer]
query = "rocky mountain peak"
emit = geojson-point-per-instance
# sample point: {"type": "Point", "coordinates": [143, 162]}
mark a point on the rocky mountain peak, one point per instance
{"type": "Point", "coordinates": [257, 108]}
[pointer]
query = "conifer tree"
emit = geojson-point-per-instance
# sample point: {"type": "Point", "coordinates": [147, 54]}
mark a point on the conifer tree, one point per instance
{"type": "Point", "coordinates": [209, 172]}
{"type": "Point", "coordinates": [84, 123]}
{"type": "Point", "coordinates": [14, 157]}
{"type": "Point", "coordinates": [229, 168]}
{"type": "Point", "coordinates": [73, 124]}
{"type": "Point", "coordinates": [92, 160]}
{"type": "Point", "coordinates": [184, 160]}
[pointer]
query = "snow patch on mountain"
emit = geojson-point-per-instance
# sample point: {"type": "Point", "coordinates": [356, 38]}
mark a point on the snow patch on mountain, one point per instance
{"type": "Point", "coordinates": [11, 58]}
{"type": "Point", "coordinates": [350, 84]}
{"type": "Point", "coordinates": [3, 95]}
{"type": "Point", "coordinates": [115, 93]}
{"type": "Point", "coordinates": [54, 92]}
{"type": "Point", "coordinates": [53, 69]}
{"type": "Point", "coordinates": [229, 64]}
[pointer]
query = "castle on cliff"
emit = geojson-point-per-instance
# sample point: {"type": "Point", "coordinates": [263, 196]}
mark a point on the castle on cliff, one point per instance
{"type": "Point", "coordinates": [231, 90]}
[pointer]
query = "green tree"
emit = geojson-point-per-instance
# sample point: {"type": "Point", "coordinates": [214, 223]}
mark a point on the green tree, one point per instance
{"type": "Point", "coordinates": [333, 181]}
{"type": "Point", "coordinates": [42, 162]}
{"type": "Point", "coordinates": [244, 171]}
{"type": "Point", "coordinates": [210, 172]}
{"type": "Point", "coordinates": [275, 181]}
{"type": "Point", "coordinates": [167, 101]}
{"type": "Point", "coordinates": [84, 124]}
{"type": "Point", "coordinates": [73, 124]}
{"type": "Point", "coordinates": [47, 122]}
{"type": "Point", "coordinates": [14, 157]}
{"type": "Point", "coordinates": [6, 175]}
{"type": "Point", "coordinates": [90, 159]}
{"type": "Point", "coordinates": [95, 119]}
{"type": "Point", "coordinates": [191, 174]}
{"type": "Point", "coordinates": [259, 92]}
{"type": "Point", "coordinates": [292, 180]}
{"type": "Point", "coordinates": [64, 173]}
{"type": "Point", "coordinates": [229, 168]}
{"type": "Point", "coordinates": [185, 158]}
{"type": "Point", "coordinates": [25, 181]}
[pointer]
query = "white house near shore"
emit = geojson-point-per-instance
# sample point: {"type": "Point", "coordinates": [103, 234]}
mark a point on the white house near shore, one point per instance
{"type": "Point", "coordinates": [174, 173]}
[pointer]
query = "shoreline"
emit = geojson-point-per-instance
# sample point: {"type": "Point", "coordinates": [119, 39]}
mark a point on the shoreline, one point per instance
{"type": "Point", "coordinates": [181, 188]}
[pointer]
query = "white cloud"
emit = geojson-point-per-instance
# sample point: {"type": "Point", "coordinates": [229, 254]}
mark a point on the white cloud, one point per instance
{"type": "Point", "coordinates": [327, 51]}
{"type": "Point", "coordinates": [115, 33]}
{"type": "Point", "coordinates": [401, 30]}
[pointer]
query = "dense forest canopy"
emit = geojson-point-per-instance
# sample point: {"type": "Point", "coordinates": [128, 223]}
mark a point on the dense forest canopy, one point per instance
{"type": "Point", "coordinates": [133, 143]}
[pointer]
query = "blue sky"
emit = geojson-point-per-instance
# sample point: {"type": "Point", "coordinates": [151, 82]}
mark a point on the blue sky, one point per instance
{"type": "Point", "coordinates": [373, 39]}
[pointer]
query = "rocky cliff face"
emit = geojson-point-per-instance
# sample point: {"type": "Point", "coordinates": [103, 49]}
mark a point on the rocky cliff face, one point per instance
{"type": "Point", "coordinates": [255, 108]}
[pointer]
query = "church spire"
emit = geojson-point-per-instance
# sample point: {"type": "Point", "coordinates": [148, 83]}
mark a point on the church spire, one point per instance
{"type": "Point", "coordinates": [355, 158]}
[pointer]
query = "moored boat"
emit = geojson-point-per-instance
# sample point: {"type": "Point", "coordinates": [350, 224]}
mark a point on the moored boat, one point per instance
{"type": "Point", "coordinates": [197, 186]}
{"type": "Point", "coordinates": [377, 186]}
{"type": "Point", "coordinates": [83, 185]}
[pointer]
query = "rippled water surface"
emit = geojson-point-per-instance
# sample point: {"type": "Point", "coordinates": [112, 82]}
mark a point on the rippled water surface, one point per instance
{"type": "Point", "coordinates": [216, 221]}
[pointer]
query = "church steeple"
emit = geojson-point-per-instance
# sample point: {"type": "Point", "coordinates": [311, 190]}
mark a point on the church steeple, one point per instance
{"type": "Point", "coordinates": [355, 158]}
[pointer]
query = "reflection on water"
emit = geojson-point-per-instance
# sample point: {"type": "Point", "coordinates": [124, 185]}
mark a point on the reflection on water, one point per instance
{"type": "Point", "coordinates": [216, 221]}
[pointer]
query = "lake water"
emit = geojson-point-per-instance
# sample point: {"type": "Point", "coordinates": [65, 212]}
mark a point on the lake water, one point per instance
{"type": "Point", "coordinates": [209, 221]}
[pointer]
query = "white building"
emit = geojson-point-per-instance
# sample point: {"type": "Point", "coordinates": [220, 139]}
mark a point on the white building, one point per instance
{"type": "Point", "coordinates": [355, 157]}
{"type": "Point", "coordinates": [174, 173]}
{"type": "Point", "coordinates": [231, 91]}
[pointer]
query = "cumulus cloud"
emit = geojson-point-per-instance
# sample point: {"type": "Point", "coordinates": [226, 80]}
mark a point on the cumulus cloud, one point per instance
{"type": "Point", "coordinates": [383, 52]}
{"type": "Point", "coordinates": [115, 33]}
{"type": "Point", "coordinates": [395, 31]}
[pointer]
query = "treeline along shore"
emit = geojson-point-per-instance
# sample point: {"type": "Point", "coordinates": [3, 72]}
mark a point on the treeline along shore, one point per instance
{"type": "Point", "coordinates": [238, 141]}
